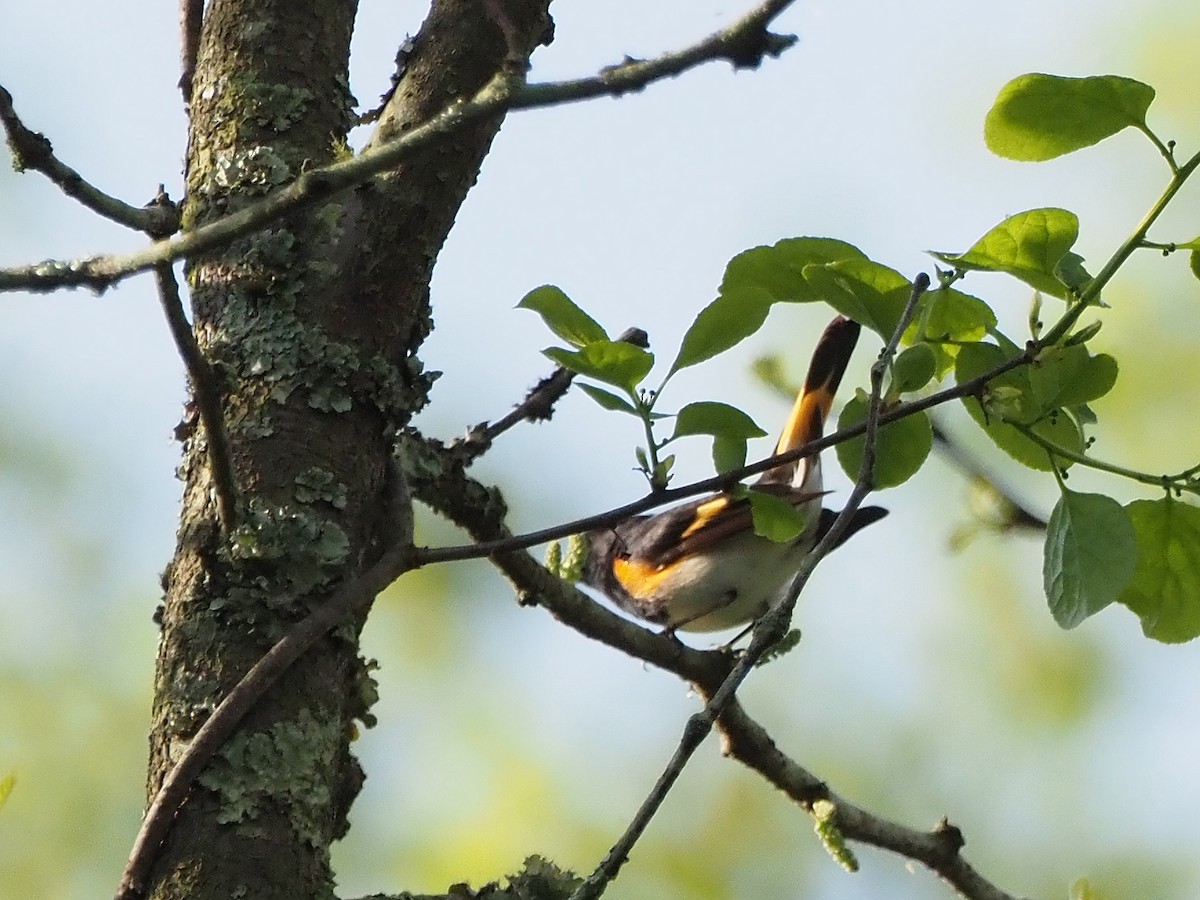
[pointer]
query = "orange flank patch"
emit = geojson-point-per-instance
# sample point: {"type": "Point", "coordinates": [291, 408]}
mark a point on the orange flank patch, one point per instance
{"type": "Point", "coordinates": [640, 578]}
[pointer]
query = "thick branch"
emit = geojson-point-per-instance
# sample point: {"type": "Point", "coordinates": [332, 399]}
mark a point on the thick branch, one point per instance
{"type": "Point", "coordinates": [32, 151]}
{"type": "Point", "coordinates": [473, 506]}
{"type": "Point", "coordinates": [744, 43]}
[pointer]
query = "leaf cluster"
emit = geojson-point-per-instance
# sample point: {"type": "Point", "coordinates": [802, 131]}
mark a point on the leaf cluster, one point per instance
{"type": "Point", "coordinates": [1031, 396]}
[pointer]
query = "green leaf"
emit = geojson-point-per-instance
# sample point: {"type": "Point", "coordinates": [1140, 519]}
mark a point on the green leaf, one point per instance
{"type": "Point", "coordinates": [662, 471]}
{"type": "Point", "coordinates": [724, 323]}
{"type": "Point", "coordinates": [729, 426]}
{"type": "Point", "coordinates": [947, 318]}
{"type": "Point", "coordinates": [1194, 257]}
{"type": "Point", "coordinates": [562, 316]}
{"type": "Point", "coordinates": [913, 369]}
{"type": "Point", "coordinates": [1084, 334]}
{"type": "Point", "coordinates": [710, 417]}
{"type": "Point", "coordinates": [1038, 117]}
{"type": "Point", "coordinates": [753, 281]}
{"type": "Point", "coordinates": [779, 269]}
{"type": "Point", "coordinates": [1072, 273]}
{"type": "Point", "coordinates": [1065, 376]}
{"type": "Point", "coordinates": [1090, 556]}
{"type": "Point", "coordinates": [775, 518]}
{"type": "Point", "coordinates": [1010, 396]}
{"type": "Point", "coordinates": [866, 291]}
{"type": "Point", "coordinates": [728, 453]}
{"type": "Point", "coordinates": [608, 400]}
{"type": "Point", "coordinates": [611, 362]}
{"type": "Point", "coordinates": [951, 315]}
{"type": "Point", "coordinates": [1028, 246]}
{"type": "Point", "coordinates": [1165, 590]}
{"type": "Point", "coordinates": [901, 447]}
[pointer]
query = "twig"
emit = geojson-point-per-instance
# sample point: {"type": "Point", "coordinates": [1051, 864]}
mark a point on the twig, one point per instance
{"type": "Point", "coordinates": [1091, 293]}
{"type": "Point", "coordinates": [32, 151]}
{"type": "Point", "coordinates": [1166, 482]}
{"type": "Point", "coordinates": [207, 395]}
{"type": "Point", "coordinates": [744, 43]}
{"type": "Point", "coordinates": [212, 735]}
{"type": "Point", "coordinates": [191, 18]}
{"type": "Point", "coordinates": [538, 404]}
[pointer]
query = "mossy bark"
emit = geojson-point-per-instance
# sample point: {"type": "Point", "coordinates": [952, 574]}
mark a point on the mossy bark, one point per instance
{"type": "Point", "coordinates": [312, 327]}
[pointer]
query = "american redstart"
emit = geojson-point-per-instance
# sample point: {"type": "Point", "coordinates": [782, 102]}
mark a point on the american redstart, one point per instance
{"type": "Point", "coordinates": [700, 566]}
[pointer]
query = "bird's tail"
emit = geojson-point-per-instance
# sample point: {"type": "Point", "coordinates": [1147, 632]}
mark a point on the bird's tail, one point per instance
{"type": "Point", "coordinates": [807, 420]}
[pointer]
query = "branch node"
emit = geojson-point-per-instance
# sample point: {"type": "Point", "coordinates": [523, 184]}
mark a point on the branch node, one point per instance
{"type": "Point", "coordinates": [748, 50]}
{"type": "Point", "coordinates": [949, 837]}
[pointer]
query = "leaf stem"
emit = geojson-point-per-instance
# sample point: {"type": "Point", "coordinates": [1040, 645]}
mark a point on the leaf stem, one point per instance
{"type": "Point", "coordinates": [1092, 292]}
{"type": "Point", "coordinates": [1167, 151]}
{"type": "Point", "coordinates": [1166, 482]}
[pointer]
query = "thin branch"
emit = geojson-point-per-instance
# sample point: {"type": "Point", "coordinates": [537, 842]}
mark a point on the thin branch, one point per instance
{"type": "Point", "coordinates": [1016, 514]}
{"type": "Point", "coordinates": [747, 741]}
{"type": "Point", "coordinates": [537, 406]}
{"type": "Point", "coordinates": [767, 631]}
{"type": "Point", "coordinates": [745, 43]}
{"type": "Point", "coordinates": [191, 18]}
{"type": "Point", "coordinates": [207, 396]}
{"type": "Point", "coordinates": [1091, 293]}
{"type": "Point", "coordinates": [1166, 482]}
{"type": "Point", "coordinates": [212, 735]}
{"type": "Point", "coordinates": [31, 151]}
{"type": "Point", "coordinates": [485, 548]}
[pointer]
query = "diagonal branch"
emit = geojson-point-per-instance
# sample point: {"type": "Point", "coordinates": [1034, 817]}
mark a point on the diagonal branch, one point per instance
{"type": "Point", "coordinates": [216, 730]}
{"type": "Point", "coordinates": [32, 151]}
{"type": "Point", "coordinates": [487, 547]}
{"type": "Point", "coordinates": [744, 43]}
{"type": "Point", "coordinates": [747, 741]}
{"type": "Point", "coordinates": [207, 396]}
{"type": "Point", "coordinates": [767, 631]}
{"type": "Point", "coordinates": [478, 509]}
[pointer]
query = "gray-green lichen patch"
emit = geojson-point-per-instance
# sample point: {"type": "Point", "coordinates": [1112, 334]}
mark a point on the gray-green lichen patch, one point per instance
{"type": "Point", "coordinates": [252, 172]}
{"type": "Point", "coordinates": [287, 765]}
{"type": "Point", "coordinates": [366, 693]}
{"type": "Point", "coordinates": [303, 548]}
{"type": "Point", "coordinates": [315, 484]}
{"type": "Point", "coordinates": [275, 107]}
{"type": "Point", "coordinates": [262, 339]}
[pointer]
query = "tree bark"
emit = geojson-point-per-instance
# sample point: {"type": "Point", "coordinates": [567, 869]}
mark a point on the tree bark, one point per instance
{"type": "Point", "coordinates": [312, 327]}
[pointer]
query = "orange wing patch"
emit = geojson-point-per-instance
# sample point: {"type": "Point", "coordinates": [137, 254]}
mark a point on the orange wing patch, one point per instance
{"type": "Point", "coordinates": [705, 513]}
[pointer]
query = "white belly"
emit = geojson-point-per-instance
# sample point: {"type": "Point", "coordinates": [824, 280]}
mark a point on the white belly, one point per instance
{"type": "Point", "coordinates": [735, 585]}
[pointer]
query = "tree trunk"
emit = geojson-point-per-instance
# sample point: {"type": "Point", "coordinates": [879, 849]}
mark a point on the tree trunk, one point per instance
{"type": "Point", "coordinates": [312, 327]}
